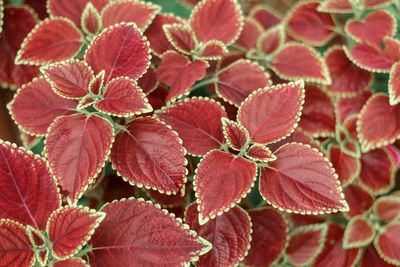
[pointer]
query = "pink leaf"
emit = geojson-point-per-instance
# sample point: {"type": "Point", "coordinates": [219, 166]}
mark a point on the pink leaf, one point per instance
{"type": "Point", "coordinates": [150, 154]}
{"type": "Point", "coordinates": [71, 263]}
{"type": "Point", "coordinates": [229, 234]}
{"type": "Point", "coordinates": [336, 6]}
{"type": "Point", "coordinates": [387, 208]}
{"type": "Point", "coordinates": [260, 153]}
{"type": "Point", "coordinates": [387, 244]}
{"type": "Point", "coordinates": [35, 106]}
{"type": "Point", "coordinates": [265, 16]}
{"type": "Point", "coordinates": [347, 167]}
{"type": "Point", "coordinates": [394, 84]}
{"type": "Point", "coordinates": [31, 204]}
{"type": "Point", "coordinates": [289, 64]}
{"type": "Point", "coordinates": [301, 180]}
{"type": "Point", "coordinates": [119, 50]}
{"type": "Point", "coordinates": [272, 113]}
{"type": "Point", "coordinates": [198, 123]}
{"type": "Point", "coordinates": [353, 105]}
{"type": "Point", "coordinates": [91, 22]}
{"type": "Point", "coordinates": [235, 134]}
{"type": "Point", "coordinates": [123, 98]}
{"type": "Point", "coordinates": [358, 199]}
{"type": "Point", "coordinates": [235, 82]}
{"type": "Point", "coordinates": [137, 233]}
{"type": "Point", "coordinates": [69, 228]}
{"type": "Point", "coordinates": [181, 37]}
{"type": "Point", "coordinates": [212, 174]}
{"type": "Point", "coordinates": [213, 50]}
{"type": "Point", "coordinates": [269, 42]}
{"type": "Point", "coordinates": [179, 73]}
{"type": "Point", "coordinates": [69, 79]}
{"type": "Point", "coordinates": [77, 147]}
{"type": "Point", "coordinates": [141, 13]}
{"type": "Point", "coordinates": [252, 29]}
{"type": "Point", "coordinates": [51, 40]}
{"type": "Point", "coordinates": [359, 233]}
{"type": "Point", "coordinates": [217, 20]}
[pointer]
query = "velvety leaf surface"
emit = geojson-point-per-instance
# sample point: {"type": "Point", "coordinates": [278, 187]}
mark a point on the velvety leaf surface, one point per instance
{"type": "Point", "coordinates": [148, 82]}
{"type": "Point", "coordinates": [71, 263]}
{"type": "Point", "coordinates": [271, 41]}
{"type": "Point", "coordinates": [235, 134]}
{"type": "Point", "coordinates": [359, 200]}
{"type": "Point", "coordinates": [260, 153]}
{"type": "Point", "coordinates": [387, 208]}
{"type": "Point", "coordinates": [229, 235]}
{"type": "Point", "coordinates": [250, 33]}
{"type": "Point", "coordinates": [222, 171]}
{"type": "Point", "coordinates": [265, 15]}
{"type": "Point", "coordinates": [136, 233]}
{"type": "Point", "coordinates": [26, 204]}
{"type": "Point", "coordinates": [181, 37]}
{"type": "Point", "coordinates": [353, 105]}
{"type": "Point", "coordinates": [213, 50]}
{"type": "Point", "coordinates": [387, 243]}
{"type": "Point", "coordinates": [346, 166]}
{"type": "Point", "coordinates": [90, 20]}
{"type": "Point", "coordinates": [150, 154]}
{"type": "Point", "coordinates": [77, 147]}
{"type": "Point", "coordinates": [394, 84]}
{"type": "Point", "coordinates": [359, 233]}
{"type": "Point", "coordinates": [371, 258]}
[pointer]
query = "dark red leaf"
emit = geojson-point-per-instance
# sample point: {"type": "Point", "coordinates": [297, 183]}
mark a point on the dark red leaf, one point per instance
{"type": "Point", "coordinates": [298, 220]}
{"type": "Point", "coordinates": [265, 16]}
{"type": "Point", "coordinates": [359, 233]}
{"type": "Point", "coordinates": [71, 263]}
{"type": "Point", "coordinates": [349, 106]}
{"type": "Point", "coordinates": [347, 167]}
{"type": "Point", "coordinates": [91, 20]}
{"type": "Point", "coordinates": [271, 41]}
{"type": "Point", "coordinates": [252, 29]}
{"type": "Point", "coordinates": [298, 136]}
{"type": "Point", "coordinates": [181, 37]}
{"type": "Point", "coordinates": [358, 199]}
{"type": "Point", "coordinates": [148, 82]}
{"type": "Point", "coordinates": [371, 258]}
{"type": "Point", "coordinates": [236, 135]}
{"type": "Point", "coordinates": [260, 153]}
{"type": "Point", "coordinates": [394, 84]}
{"type": "Point", "coordinates": [169, 201]}
{"type": "Point", "coordinates": [96, 85]}
{"type": "Point", "coordinates": [387, 243]}
{"type": "Point", "coordinates": [387, 208]}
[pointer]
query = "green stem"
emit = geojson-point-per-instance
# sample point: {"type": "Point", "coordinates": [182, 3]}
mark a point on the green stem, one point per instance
{"type": "Point", "coordinates": [203, 83]}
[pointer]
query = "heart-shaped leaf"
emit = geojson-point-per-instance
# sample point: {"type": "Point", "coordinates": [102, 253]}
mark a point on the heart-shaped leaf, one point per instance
{"type": "Point", "coordinates": [181, 37]}
{"type": "Point", "coordinates": [387, 208]}
{"type": "Point", "coordinates": [386, 243]}
{"type": "Point", "coordinates": [347, 167]}
{"type": "Point", "coordinates": [359, 200]}
{"type": "Point", "coordinates": [236, 135]}
{"type": "Point", "coordinates": [91, 22]}
{"type": "Point", "coordinates": [359, 233]}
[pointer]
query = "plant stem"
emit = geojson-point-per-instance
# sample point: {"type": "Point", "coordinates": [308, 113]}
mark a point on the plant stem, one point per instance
{"type": "Point", "coordinates": [203, 83]}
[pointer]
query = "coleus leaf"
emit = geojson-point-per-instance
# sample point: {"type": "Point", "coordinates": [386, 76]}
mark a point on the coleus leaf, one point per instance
{"type": "Point", "coordinates": [15, 248]}
{"type": "Point", "coordinates": [387, 208]}
{"type": "Point", "coordinates": [298, 220]}
{"type": "Point", "coordinates": [252, 29]}
{"type": "Point", "coordinates": [220, 20]}
{"type": "Point", "coordinates": [69, 228]}
{"type": "Point", "coordinates": [260, 153]}
{"type": "Point", "coordinates": [359, 200]}
{"type": "Point", "coordinates": [77, 147]}
{"type": "Point", "coordinates": [394, 84]}
{"type": "Point", "coordinates": [386, 243]}
{"type": "Point", "coordinates": [230, 234]}
{"type": "Point", "coordinates": [170, 201]}
{"type": "Point", "coordinates": [373, 4]}
{"type": "Point", "coordinates": [91, 22]}
{"type": "Point", "coordinates": [236, 81]}
{"type": "Point", "coordinates": [336, 6]}
{"type": "Point", "coordinates": [272, 113]}
{"type": "Point", "coordinates": [305, 23]}
{"type": "Point", "coordinates": [18, 22]}
{"type": "Point", "coordinates": [69, 79]}
{"type": "Point", "coordinates": [26, 204]}
{"type": "Point", "coordinates": [371, 258]}
{"type": "Point", "coordinates": [150, 154]}
{"type": "Point", "coordinates": [236, 135]}
{"type": "Point", "coordinates": [305, 243]}
{"type": "Point", "coordinates": [298, 136]}
{"type": "Point", "coordinates": [212, 173]}
{"type": "Point", "coordinates": [213, 50]}
{"type": "Point", "coordinates": [179, 73]}
{"type": "Point", "coordinates": [318, 114]}
{"type": "Point", "coordinates": [140, 13]}
{"type": "Point", "coordinates": [347, 167]}
{"type": "Point", "coordinates": [181, 37]}
{"type": "Point", "coordinates": [348, 80]}
{"type": "Point", "coordinates": [96, 85]}
{"type": "Point", "coordinates": [348, 106]}
{"type": "Point", "coordinates": [198, 123]}
{"type": "Point", "coordinates": [301, 180]}
{"type": "Point", "coordinates": [123, 98]}
{"type": "Point", "coordinates": [270, 41]}
{"type": "Point", "coordinates": [268, 238]}
{"type": "Point", "coordinates": [289, 61]}
{"type": "Point", "coordinates": [378, 111]}
{"type": "Point", "coordinates": [51, 40]}
{"type": "Point", "coordinates": [71, 263]}
{"type": "Point", "coordinates": [138, 233]}
{"type": "Point", "coordinates": [148, 82]}
{"type": "Point", "coordinates": [266, 16]}
{"type": "Point", "coordinates": [358, 233]}
{"type": "Point", "coordinates": [114, 49]}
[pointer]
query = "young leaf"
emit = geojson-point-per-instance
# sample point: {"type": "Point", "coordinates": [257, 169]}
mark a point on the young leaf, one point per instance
{"type": "Point", "coordinates": [260, 153]}
{"type": "Point", "coordinates": [302, 181]}
{"type": "Point", "coordinates": [181, 37]}
{"type": "Point", "coordinates": [265, 15]}
{"type": "Point", "coordinates": [359, 200]}
{"type": "Point", "coordinates": [347, 167]}
{"type": "Point", "coordinates": [220, 20]}
{"type": "Point", "coordinates": [394, 84]}
{"type": "Point", "coordinates": [71, 263]}
{"type": "Point", "coordinates": [150, 154]}
{"type": "Point", "coordinates": [229, 234]}
{"type": "Point", "coordinates": [91, 22]}
{"type": "Point", "coordinates": [235, 134]}
{"type": "Point", "coordinates": [198, 123]}
{"type": "Point", "coordinates": [31, 204]}
{"type": "Point", "coordinates": [137, 233]}
{"type": "Point", "coordinates": [213, 50]}
{"type": "Point", "coordinates": [387, 208]}
{"type": "Point", "coordinates": [123, 98]}
{"type": "Point", "coordinates": [52, 40]}
{"type": "Point", "coordinates": [69, 228]}
{"type": "Point", "coordinates": [119, 50]}
{"type": "Point", "coordinates": [269, 42]}
{"type": "Point", "coordinates": [386, 243]}
{"type": "Point", "coordinates": [235, 82]}
{"type": "Point", "coordinates": [96, 85]}
{"type": "Point", "coordinates": [272, 113]}
{"type": "Point", "coordinates": [268, 238]}
{"type": "Point", "coordinates": [77, 147]}
{"type": "Point", "coordinates": [359, 233]}
{"type": "Point", "coordinates": [252, 29]}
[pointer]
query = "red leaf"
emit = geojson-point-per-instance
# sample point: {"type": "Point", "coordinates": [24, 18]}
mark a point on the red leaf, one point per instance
{"type": "Point", "coordinates": [289, 64]}
{"type": "Point", "coordinates": [305, 23]}
{"type": "Point", "coordinates": [235, 82]}
{"type": "Point", "coordinates": [348, 80]}
{"type": "Point", "coordinates": [150, 154]}
{"type": "Point", "coordinates": [31, 204]}
{"type": "Point", "coordinates": [213, 50]}
{"type": "Point", "coordinates": [148, 82]}
{"type": "Point", "coordinates": [305, 243]}
{"type": "Point", "coordinates": [69, 228]}
{"type": "Point", "coordinates": [359, 233]}
{"type": "Point", "coordinates": [123, 98]}
{"type": "Point", "coordinates": [260, 153]}
{"type": "Point", "coordinates": [269, 236]}
{"type": "Point", "coordinates": [71, 263]}
{"type": "Point", "coordinates": [252, 29]}
{"type": "Point", "coordinates": [318, 115]}
{"type": "Point", "coordinates": [179, 73]}
{"type": "Point", "coordinates": [51, 40]}
{"type": "Point", "coordinates": [229, 234]}
{"type": "Point", "coordinates": [394, 84]}
{"type": "Point", "coordinates": [373, 28]}
{"type": "Point", "coordinates": [18, 22]}
{"type": "Point", "coordinates": [387, 208]}
{"type": "Point", "coordinates": [235, 134]}
{"type": "Point", "coordinates": [69, 79]}
{"type": "Point", "coordinates": [372, 4]}
{"type": "Point", "coordinates": [119, 50]}
{"type": "Point", "coordinates": [220, 20]}
{"type": "Point", "coordinates": [271, 41]}
{"type": "Point", "coordinates": [372, 259]}
{"type": "Point", "coordinates": [15, 249]}
{"type": "Point", "coordinates": [348, 106]}
{"type": "Point", "coordinates": [137, 233]}
{"type": "Point", "coordinates": [198, 123]}
{"type": "Point", "coordinates": [272, 113]}
{"type": "Point", "coordinates": [142, 14]}
{"type": "Point", "coordinates": [298, 136]}
{"type": "Point", "coordinates": [378, 111]}
{"type": "Point", "coordinates": [301, 180]}
{"type": "Point", "coordinates": [170, 201]}
{"type": "Point", "coordinates": [77, 147]}
{"type": "Point", "coordinates": [347, 167]}
{"type": "Point", "coordinates": [265, 16]}
{"type": "Point", "coordinates": [96, 85]}
{"type": "Point", "coordinates": [90, 20]}
{"type": "Point", "coordinates": [181, 37]}
{"type": "Point", "coordinates": [336, 6]}
{"type": "Point", "coordinates": [35, 106]}
{"type": "Point", "coordinates": [212, 174]}
{"type": "Point", "coordinates": [358, 199]}
{"type": "Point", "coordinates": [387, 243]}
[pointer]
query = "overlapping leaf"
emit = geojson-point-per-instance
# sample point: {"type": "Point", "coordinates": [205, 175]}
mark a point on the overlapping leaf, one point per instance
{"type": "Point", "coordinates": [359, 200]}
{"type": "Point", "coordinates": [387, 208]}
{"type": "Point", "coordinates": [394, 84]}
{"type": "Point", "coordinates": [347, 167]}
{"type": "Point", "coordinates": [181, 37]}
{"type": "Point", "coordinates": [359, 233]}
{"type": "Point", "coordinates": [386, 243]}
{"type": "Point", "coordinates": [91, 22]}
{"type": "Point", "coordinates": [235, 134]}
